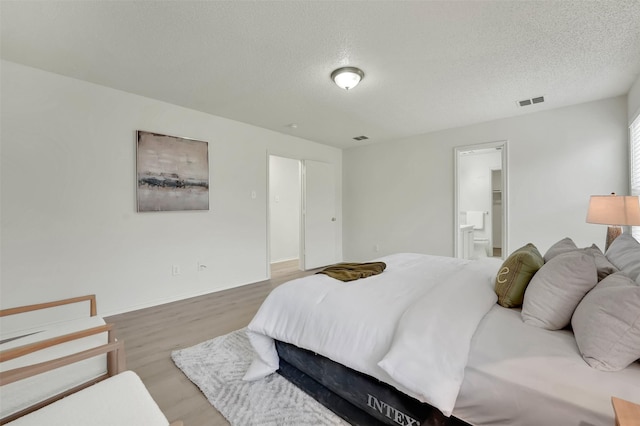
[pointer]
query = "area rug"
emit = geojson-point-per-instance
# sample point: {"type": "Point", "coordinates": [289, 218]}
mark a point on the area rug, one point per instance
{"type": "Point", "coordinates": [217, 367]}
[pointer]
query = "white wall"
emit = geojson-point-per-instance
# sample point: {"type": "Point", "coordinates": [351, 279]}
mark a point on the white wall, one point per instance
{"type": "Point", "coordinates": [400, 194]}
{"type": "Point", "coordinates": [69, 221]}
{"type": "Point", "coordinates": [284, 208]}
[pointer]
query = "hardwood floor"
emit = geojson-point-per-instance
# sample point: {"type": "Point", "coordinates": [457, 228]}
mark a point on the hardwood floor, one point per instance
{"type": "Point", "coordinates": [151, 334]}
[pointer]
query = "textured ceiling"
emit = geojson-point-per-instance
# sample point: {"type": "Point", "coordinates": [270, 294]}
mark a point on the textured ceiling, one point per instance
{"type": "Point", "coordinates": [428, 65]}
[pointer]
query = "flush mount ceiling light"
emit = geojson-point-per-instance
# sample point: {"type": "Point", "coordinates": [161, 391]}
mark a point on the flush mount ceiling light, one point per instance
{"type": "Point", "coordinates": [347, 77]}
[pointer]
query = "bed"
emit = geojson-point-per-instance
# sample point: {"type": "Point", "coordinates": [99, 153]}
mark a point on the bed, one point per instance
{"type": "Point", "coordinates": [429, 337]}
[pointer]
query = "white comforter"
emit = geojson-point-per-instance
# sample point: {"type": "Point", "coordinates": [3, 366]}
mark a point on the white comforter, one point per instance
{"type": "Point", "coordinates": [410, 326]}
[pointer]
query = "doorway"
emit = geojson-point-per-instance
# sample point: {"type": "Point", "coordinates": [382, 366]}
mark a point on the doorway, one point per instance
{"type": "Point", "coordinates": [302, 220]}
{"type": "Point", "coordinates": [285, 200]}
{"type": "Point", "coordinates": [481, 201]}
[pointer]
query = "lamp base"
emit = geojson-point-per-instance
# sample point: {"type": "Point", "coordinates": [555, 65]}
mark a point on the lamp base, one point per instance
{"type": "Point", "coordinates": [613, 232]}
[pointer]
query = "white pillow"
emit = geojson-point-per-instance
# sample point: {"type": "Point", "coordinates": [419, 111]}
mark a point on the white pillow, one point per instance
{"type": "Point", "coordinates": [557, 288]}
{"type": "Point", "coordinates": [606, 324]}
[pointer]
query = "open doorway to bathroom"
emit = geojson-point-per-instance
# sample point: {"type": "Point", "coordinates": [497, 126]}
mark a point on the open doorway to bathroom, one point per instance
{"type": "Point", "coordinates": [480, 200]}
{"type": "Point", "coordinates": [284, 215]}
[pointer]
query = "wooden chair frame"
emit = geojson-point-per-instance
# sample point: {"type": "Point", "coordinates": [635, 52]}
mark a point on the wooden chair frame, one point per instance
{"type": "Point", "coordinates": [113, 361]}
{"type": "Point", "coordinates": [115, 364]}
{"type": "Point", "coordinates": [93, 309]}
{"type": "Point", "coordinates": [114, 349]}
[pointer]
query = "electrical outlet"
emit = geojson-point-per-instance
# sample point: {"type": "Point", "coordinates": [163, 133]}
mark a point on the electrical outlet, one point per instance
{"type": "Point", "coordinates": [376, 248]}
{"type": "Point", "coordinates": [175, 270]}
{"type": "Point", "coordinates": [201, 267]}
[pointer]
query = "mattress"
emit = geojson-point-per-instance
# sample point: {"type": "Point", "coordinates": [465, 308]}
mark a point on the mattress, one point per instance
{"type": "Point", "coordinates": [521, 375]}
{"type": "Point", "coordinates": [359, 399]}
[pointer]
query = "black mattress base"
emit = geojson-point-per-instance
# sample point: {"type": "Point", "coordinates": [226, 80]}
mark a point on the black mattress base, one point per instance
{"type": "Point", "coordinates": [359, 399]}
{"type": "Point", "coordinates": [324, 396]}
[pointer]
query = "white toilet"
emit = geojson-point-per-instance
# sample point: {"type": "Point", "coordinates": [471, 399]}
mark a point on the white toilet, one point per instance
{"type": "Point", "coordinates": [481, 247]}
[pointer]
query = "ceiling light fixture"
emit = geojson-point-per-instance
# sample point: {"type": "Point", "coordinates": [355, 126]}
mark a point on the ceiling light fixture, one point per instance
{"type": "Point", "coordinates": [347, 77]}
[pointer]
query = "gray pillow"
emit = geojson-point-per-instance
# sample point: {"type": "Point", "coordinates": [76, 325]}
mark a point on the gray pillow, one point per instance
{"type": "Point", "coordinates": [624, 253]}
{"type": "Point", "coordinates": [606, 324]}
{"type": "Point", "coordinates": [566, 245]}
{"type": "Point", "coordinates": [557, 288]}
{"type": "Point", "coordinates": [562, 246]}
{"type": "Point", "coordinates": [604, 267]}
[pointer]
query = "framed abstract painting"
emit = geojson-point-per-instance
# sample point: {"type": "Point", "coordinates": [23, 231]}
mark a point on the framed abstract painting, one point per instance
{"type": "Point", "coordinates": [172, 173]}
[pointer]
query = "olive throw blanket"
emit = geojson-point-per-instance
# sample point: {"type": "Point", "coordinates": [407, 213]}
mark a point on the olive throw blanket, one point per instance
{"type": "Point", "coordinates": [353, 271]}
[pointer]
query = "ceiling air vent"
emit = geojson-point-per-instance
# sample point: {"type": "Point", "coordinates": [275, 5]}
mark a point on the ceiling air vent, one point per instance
{"type": "Point", "coordinates": [531, 101]}
{"type": "Point", "coordinates": [360, 138]}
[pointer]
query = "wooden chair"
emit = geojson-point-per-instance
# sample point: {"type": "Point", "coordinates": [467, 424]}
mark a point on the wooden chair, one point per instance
{"type": "Point", "coordinates": [53, 408]}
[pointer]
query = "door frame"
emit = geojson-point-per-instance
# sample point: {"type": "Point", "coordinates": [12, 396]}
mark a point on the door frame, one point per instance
{"type": "Point", "coordinates": [300, 219]}
{"type": "Point", "coordinates": [503, 144]}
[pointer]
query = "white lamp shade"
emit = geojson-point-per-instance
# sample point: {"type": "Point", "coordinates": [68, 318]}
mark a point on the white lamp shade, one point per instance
{"type": "Point", "coordinates": [347, 77]}
{"type": "Point", "coordinates": [617, 210]}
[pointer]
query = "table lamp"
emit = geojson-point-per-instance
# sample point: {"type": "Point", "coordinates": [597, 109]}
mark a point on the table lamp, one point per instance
{"type": "Point", "coordinates": [615, 211]}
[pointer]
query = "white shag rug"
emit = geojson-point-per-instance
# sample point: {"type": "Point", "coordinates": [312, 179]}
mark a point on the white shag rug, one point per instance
{"type": "Point", "coordinates": [217, 367]}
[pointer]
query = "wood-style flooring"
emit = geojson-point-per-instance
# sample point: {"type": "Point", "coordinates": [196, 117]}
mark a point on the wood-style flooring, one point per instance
{"type": "Point", "coordinates": [151, 334]}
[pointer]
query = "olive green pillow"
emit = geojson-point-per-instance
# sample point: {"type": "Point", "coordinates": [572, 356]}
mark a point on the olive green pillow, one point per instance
{"type": "Point", "coordinates": [515, 274]}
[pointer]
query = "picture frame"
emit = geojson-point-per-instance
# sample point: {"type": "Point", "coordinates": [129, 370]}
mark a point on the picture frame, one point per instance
{"type": "Point", "coordinates": [172, 173]}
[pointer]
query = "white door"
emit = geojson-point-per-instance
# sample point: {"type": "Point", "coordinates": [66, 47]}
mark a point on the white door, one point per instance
{"type": "Point", "coordinates": [319, 214]}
